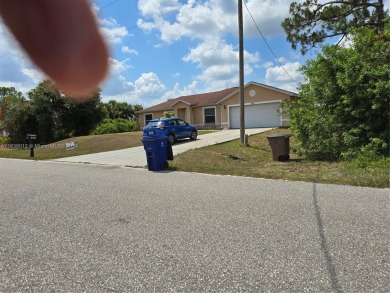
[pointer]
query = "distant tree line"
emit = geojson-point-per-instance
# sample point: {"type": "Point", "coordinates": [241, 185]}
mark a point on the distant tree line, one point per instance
{"type": "Point", "coordinates": [48, 113]}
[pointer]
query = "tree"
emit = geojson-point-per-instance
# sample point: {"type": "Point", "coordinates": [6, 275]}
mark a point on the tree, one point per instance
{"type": "Point", "coordinates": [46, 106]}
{"type": "Point", "coordinates": [57, 118]}
{"type": "Point", "coordinates": [313, 21]}
{"type": "Point", "coordinates": [168, 114]}
{"type": "Point", "coordinates": [122, 110]}
{"type": "Point", "coordinates": [344, 105]}
{"type": "Point", "coordinates": [136, 108]}
{"type": "Point", "coordinates": [17, 121]}
{"type": "Point", "coordinates": [81, 118]}
{"type": "Point", "coordinates": [9, 91]}
{"type": "Point", "coordinates": [8, 96]}
{"type": "Point", "coordinates": [15, 115]}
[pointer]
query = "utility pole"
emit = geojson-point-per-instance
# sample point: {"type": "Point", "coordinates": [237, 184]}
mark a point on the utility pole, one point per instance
{"type": "Point", "coordinates": [241, 65]}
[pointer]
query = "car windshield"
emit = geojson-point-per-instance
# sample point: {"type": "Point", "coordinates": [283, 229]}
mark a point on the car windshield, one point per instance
{"type": "Point", "coordinates": [155, 124]}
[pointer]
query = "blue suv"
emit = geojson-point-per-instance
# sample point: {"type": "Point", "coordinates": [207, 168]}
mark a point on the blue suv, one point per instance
{"type": "Point", "coordinates": [173, 128]}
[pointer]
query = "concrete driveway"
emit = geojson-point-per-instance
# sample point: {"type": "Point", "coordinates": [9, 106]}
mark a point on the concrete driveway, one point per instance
{"type": "Point", "coordinates": [135, 157]}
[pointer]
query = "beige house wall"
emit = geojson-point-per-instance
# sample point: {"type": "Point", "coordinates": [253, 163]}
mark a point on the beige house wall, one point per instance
{"type": "Point", "coordinates": [141, 117]}
{"type": "Point", "coordinates": [179, 108]}
{"type": "Point", "coordinates": [198, 115]}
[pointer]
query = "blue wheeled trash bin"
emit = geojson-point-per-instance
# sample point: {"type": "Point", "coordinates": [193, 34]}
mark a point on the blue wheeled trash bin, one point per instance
{"type": "Point", "coordinates": [156, 149]}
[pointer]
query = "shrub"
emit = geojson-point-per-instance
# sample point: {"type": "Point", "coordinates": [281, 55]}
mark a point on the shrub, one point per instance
{"type": "Point", "coordinates": [115, 126]}
{"type": "Point", "coordinates": [368, 156]}
{"type": "Point", "coordinates": [3, 140]}
{"type": "Point", "coordinates": [344, 103]}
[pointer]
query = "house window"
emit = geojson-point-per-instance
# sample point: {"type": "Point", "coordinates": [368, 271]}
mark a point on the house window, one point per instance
{"type": "Point", "coordinates": [148, 117]}
{"type": "Point", "coordinates": [209, 115]}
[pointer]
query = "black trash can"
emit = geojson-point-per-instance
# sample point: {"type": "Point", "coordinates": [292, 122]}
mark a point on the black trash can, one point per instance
{"type": "Point", "coordinates": [280, 146]}
{"type": "Point", "coordinates": [156, 149]}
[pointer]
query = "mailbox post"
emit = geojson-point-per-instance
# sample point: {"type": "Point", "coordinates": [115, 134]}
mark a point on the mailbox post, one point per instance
{"type": "Point", "coordinates": [31, 138]}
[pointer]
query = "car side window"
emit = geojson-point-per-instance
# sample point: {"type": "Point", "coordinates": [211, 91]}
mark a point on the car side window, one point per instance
{"type": "Point", "coordinates": [171, 123]}
{"type": "Point", "coordinates": [181, 123]}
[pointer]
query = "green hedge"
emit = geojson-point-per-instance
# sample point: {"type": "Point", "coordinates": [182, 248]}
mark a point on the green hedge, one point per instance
{"type": "Point", "coordinates": [115, 126]}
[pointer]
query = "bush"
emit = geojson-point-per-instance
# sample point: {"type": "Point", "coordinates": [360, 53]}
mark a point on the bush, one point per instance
{"type": "Point", "coordinates": [115, 126]}
{"type": "Point", "coordinates": [368, 156]}
{"type": "Point", "coordinates": [343, 105]}
{"type": "Point", "coordinates": [3, 140]}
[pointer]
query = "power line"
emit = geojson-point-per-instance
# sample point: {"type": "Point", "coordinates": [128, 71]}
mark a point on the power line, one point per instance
{"type": "Point", "coordinates": [5, 54]}
{"type": "Point", "coordinates": [269, 47]}
{"type": "Point", "coordinates": [109, 4]}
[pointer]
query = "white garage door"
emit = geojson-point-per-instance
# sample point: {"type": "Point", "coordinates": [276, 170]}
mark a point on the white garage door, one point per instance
{"type": "Point", "coordinates": [260, 115]}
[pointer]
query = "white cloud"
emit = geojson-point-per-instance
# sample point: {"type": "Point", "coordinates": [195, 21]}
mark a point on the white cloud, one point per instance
{"type": "Point", "coordinates": [267, 64]}
{"type": "Point", "coordinates": [146, 26]}
{"type": "Point", "coordinates": [153, 8]}
{"type": "Point", "coordinates": [34, 74]}
{"type": "Point", "coordinates": [118, 67]}
{"type": "Point", "coordinates": [268, 15]}
{"type": "Point", "coordinates": [116, 83]}
{"type": "Point", "coordinates": [145, 90]}
{"type": "Point", "coordinates": [126, 49]}
{"type": "Point", "coordinates": [219, 63]}
{"type": "Point", "coordinates": [16, 68]}
{"type": "Point", "coordinates": [282, 60]}
{"type": "Point", "coordinates": [148, 86]}
{"type": "Point", "coordinates": [208, 19]}
{"type": "Point", "coordinates": [111, 31]}
{"type": "Point", "coordinates": [278, 73]}
{"type": "Point", "coordinates": [201, 21]}
{"type": "Point", "coordinates": [277, 76]}
{"type": "Point", "coordinates": [176, 92]}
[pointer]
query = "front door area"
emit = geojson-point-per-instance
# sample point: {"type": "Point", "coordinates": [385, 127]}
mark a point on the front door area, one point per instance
{"type": "Point", "coordinates": [181, 113]}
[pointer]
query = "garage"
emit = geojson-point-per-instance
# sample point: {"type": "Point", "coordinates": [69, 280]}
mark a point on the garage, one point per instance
{"type": "Point", "coordinates": [257, 115]}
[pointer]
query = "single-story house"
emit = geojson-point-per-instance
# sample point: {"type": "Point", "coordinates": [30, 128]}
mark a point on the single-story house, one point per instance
{"type": "Point", "coordinates": [221, 108]}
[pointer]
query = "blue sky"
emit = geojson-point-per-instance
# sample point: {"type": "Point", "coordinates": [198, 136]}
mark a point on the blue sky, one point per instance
{"type": "Point", "coordinates": [163, 49]}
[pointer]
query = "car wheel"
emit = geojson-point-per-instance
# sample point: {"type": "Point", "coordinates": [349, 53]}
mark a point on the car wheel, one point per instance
{"type": "Point", "coordinates": [194, 135]}
{"type": "Point", "coordinates": [171, 138]}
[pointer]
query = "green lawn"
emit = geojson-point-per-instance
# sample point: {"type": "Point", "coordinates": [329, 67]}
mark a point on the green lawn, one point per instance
{"type": "Point", "coordinates": [85, 145]}
{"type": "Point", "coordinates": [226, 159]}
{"type": "Point", "coordinates": [256, 161]}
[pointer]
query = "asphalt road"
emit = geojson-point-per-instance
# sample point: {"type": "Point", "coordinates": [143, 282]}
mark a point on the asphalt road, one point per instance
{"type": "Point", "coordinates": [89, 228]}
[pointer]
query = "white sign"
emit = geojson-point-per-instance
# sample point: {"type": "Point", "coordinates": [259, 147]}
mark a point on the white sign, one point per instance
{"type": "Point", "coordinates": [70, 145]}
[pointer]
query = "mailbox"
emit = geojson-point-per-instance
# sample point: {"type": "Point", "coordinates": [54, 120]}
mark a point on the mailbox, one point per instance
{"type": "Point", "coordinates": [31, 138]}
